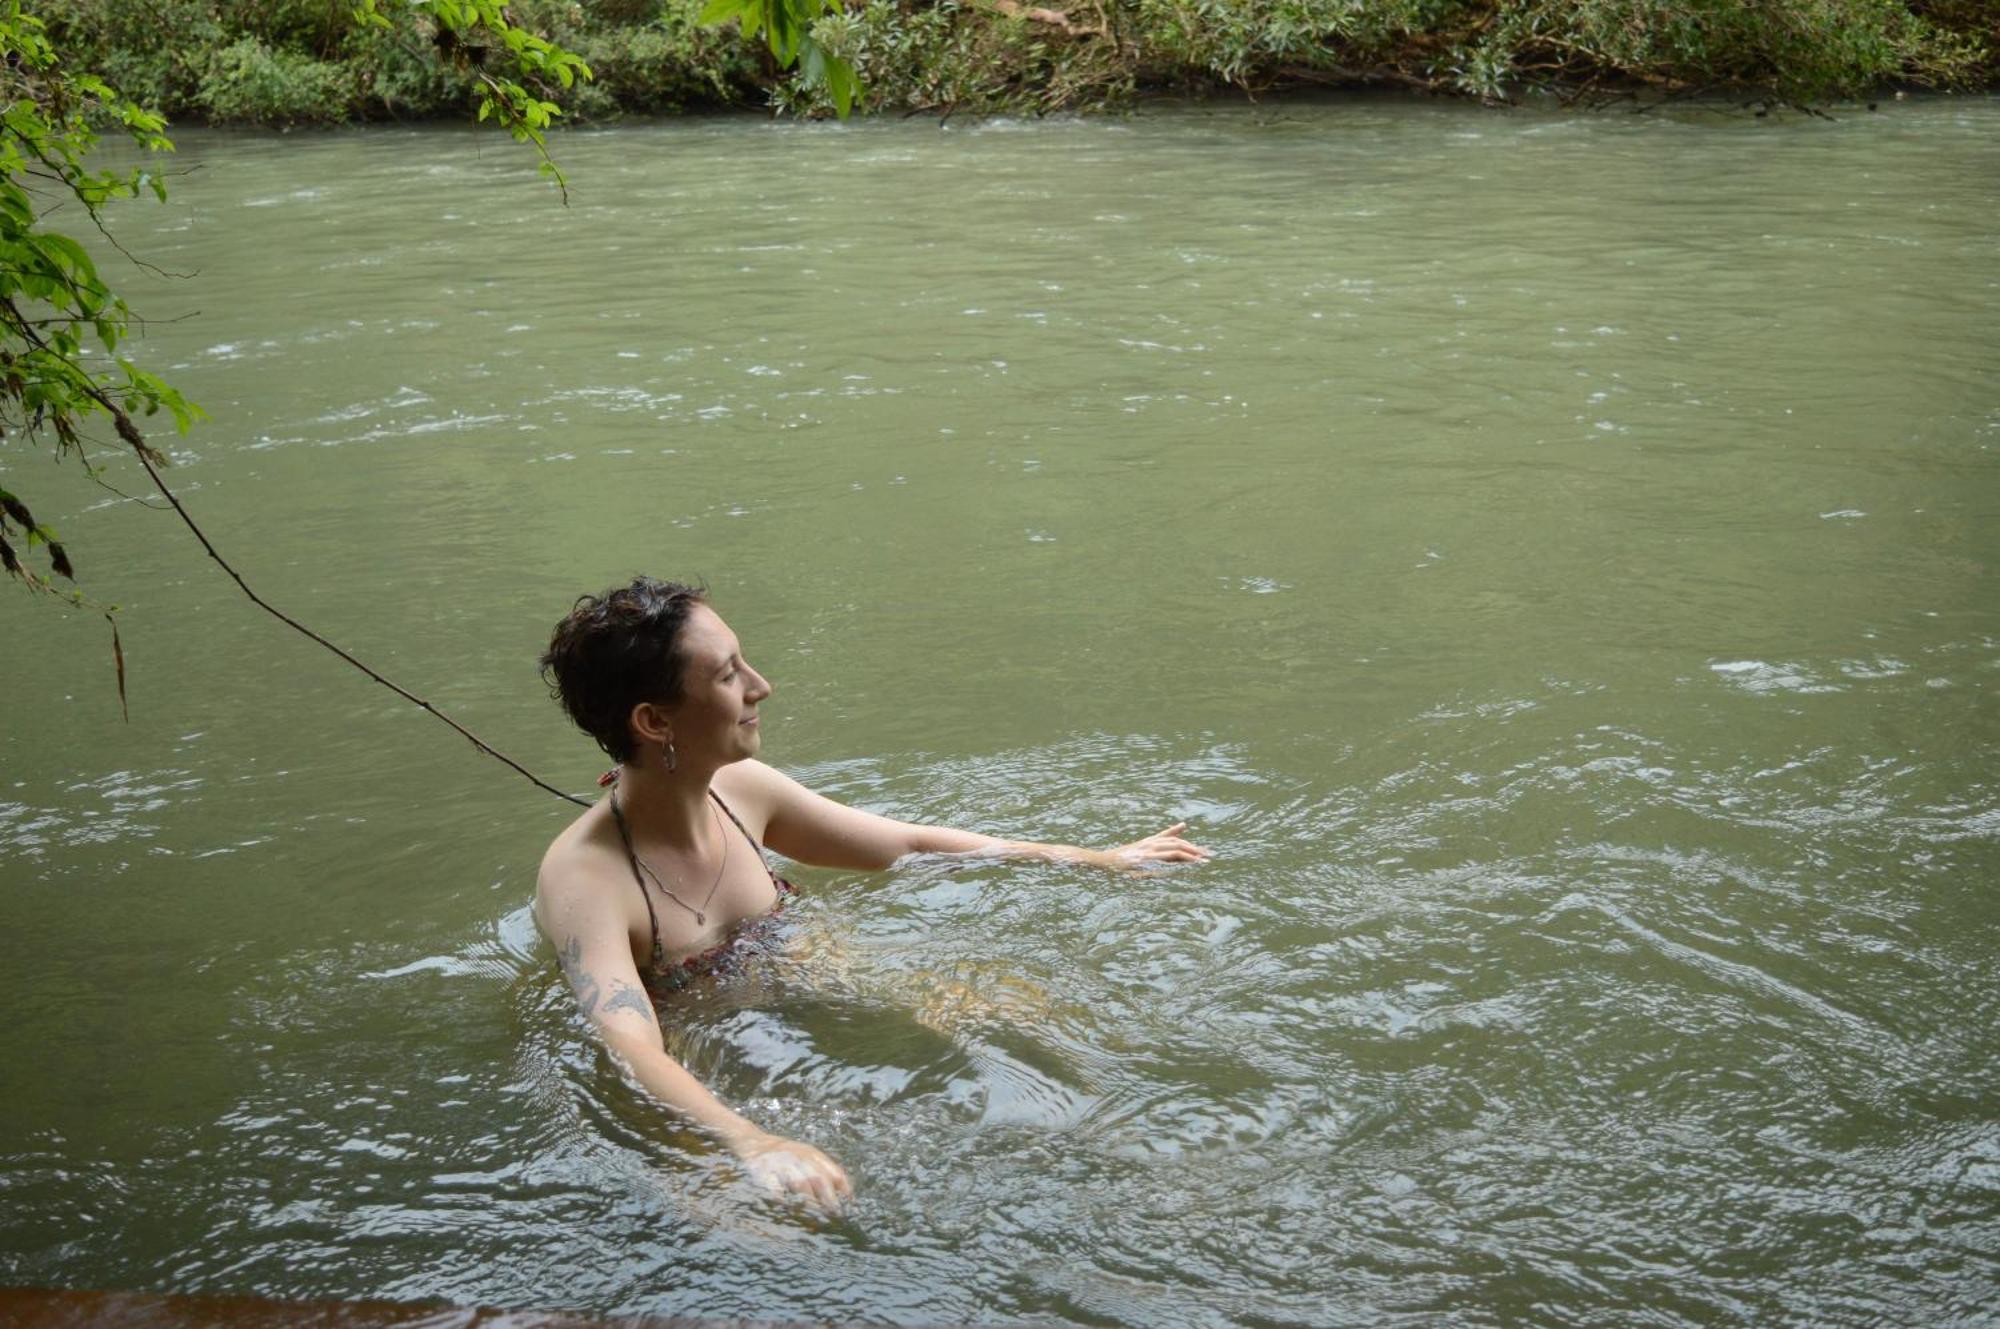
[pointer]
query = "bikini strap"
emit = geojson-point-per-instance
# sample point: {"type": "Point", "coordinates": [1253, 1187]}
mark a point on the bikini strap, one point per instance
{"type": "Point", "coordinates": [632, 856]}
{"type": "Point", "coordinates": [746, 835]}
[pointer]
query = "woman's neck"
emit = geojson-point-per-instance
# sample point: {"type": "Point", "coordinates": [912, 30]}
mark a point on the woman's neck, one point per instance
{"type": "Point", "coordinates": [665, 805]}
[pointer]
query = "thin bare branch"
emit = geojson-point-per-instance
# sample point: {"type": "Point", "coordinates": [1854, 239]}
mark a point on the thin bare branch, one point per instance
{"type": "Point", "coordinates": [129, 432]}
{"type": "Point", "coordinates": [143, 502]}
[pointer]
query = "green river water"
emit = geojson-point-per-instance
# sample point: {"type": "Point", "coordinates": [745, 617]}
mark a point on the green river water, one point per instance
{"type": "Point", "coordinates": [1549, 558]}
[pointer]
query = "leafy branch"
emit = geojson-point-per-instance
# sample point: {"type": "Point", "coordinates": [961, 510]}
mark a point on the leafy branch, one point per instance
{"type": "Point", "coordinates": [787, 29]}
{"type": "Point", "coordinates": [466, 31]}
{"type": "Point", "coordinates": [56, 311]}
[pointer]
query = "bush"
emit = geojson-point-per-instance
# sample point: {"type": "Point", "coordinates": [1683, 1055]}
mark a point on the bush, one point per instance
{"type": "Point", "coordinates": [307, 27]}
{"type": "Point", "coordinates": [153, 51]}
{"type": "Point", "coordinates": [399, 77]}
{"type": "Point", "coordinates": [249, 83]}
{"type": "Point", "coordinates": [664, 61]}
{"type": "Point", "coordinates": [1801, 50]}
{"type": "Point", "coordinates": [285, 61]}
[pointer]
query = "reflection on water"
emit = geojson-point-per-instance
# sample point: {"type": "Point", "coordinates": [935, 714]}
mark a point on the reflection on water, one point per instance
{"type": "Point", "coordinates": [1543, 557]}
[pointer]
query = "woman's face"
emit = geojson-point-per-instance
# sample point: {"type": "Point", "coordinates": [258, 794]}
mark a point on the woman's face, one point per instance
{"type": "Point", "coordinates": [716, 717]}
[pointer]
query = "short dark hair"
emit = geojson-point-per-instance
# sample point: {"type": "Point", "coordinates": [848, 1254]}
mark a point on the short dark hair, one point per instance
{"type": "Point", "coordinates": [616, 650]}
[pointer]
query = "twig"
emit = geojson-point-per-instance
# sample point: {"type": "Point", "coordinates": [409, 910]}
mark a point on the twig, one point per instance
{"type": "Point", "coordinates": [153, 268]}
{"type": "Point", "coordinates": [85, 318]}
{"type": "Point", "coordinates": [98, 221]}
{"type": "Point", "coordinates": [130, 433]}
{"type": "Point", "coordinates": [118, 659]}
{"type": "Point", "coordinates": [129, 498]}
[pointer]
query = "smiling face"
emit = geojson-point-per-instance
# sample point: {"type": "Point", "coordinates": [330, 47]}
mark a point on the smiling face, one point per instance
{"type": "Point", "coordinates": [715, 720]}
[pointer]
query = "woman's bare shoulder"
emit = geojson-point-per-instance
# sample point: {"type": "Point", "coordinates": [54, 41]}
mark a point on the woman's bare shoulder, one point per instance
{"type": "Point", "coordinates": [754, 792]}
{"type": "Point", "coordinates": [579, 859]}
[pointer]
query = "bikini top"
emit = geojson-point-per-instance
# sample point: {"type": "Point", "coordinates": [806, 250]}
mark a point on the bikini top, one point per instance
{"type": "Point", "coordinates": [679, 973]}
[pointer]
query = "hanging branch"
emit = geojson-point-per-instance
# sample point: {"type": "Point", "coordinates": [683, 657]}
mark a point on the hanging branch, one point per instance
{"type": "Point", "coordinates": [129, 432]}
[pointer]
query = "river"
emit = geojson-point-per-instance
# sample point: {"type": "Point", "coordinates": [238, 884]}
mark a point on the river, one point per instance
{"type": "Point", "coordinates": [1549, 558]}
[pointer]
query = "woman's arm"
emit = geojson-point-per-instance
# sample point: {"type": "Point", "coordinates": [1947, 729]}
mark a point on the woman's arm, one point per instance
{"type": "Point", "coordinates": [597, 960]}
{"type": "Point", "coordinates": [814, 829]}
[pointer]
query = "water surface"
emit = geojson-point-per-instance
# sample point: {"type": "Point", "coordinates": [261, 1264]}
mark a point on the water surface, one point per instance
{"type": "Point", "coordinates": [1547, 557]}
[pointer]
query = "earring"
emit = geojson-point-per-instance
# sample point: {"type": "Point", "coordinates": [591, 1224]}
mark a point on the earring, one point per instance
{"type": "Point", "coordinates": [673, 759]}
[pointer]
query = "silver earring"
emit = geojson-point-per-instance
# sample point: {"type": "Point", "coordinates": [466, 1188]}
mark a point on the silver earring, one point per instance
{"type": "Point", "coordinates": [673, 760]}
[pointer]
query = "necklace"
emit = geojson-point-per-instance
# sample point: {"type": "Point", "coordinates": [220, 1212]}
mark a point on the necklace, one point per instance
{"type": "Point", "coordinates": [701, 914]}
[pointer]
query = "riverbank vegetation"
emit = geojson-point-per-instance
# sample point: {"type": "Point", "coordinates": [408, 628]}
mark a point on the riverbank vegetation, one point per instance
{"type": "Point", "coordinates": [314, 61]}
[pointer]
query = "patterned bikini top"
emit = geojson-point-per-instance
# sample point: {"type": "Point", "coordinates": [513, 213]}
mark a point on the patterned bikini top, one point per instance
{"type": "Point", "coordinates": [749, 937]}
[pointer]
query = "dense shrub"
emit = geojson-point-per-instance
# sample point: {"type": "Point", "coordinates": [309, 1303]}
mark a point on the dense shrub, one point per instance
{"type": "Point", "coordinates": [1803, 50]}
{"type": "Point", "coordinates": [307, 27]}
{"type": "Point", "coordinates": [247, 82]}
{"type": "Point", "coordinates": [1023, 55]}
{"type": "Point", "coordinates": [398, 78]}
{"type": "Point", "coordinates": [947, 55]}
{"type": "Point", "coordinates": [286, 61]}
{"type": "Point", "coordinates": [648, 56]}
{"type": "Point", "coordinates": [155, 53]}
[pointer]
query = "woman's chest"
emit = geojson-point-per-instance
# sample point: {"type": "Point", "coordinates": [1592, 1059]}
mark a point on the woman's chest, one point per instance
{"type": "Point", "coordinates": [685, 918]}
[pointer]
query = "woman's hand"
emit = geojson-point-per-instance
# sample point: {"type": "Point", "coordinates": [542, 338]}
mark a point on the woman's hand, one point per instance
{"type": "Point", "coordinates": [1166, 847]}
{"type": "Point", "coordinates": [795, 1170]}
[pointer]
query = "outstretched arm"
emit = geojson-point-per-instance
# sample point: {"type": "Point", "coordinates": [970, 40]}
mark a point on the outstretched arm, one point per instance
{"type": "Point", "coordinates": [597, 960]}
{"type": "Point", "coordinates": [814, 829]}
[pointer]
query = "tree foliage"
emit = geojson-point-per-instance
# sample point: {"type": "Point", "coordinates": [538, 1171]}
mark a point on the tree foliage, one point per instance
{"type": "Point", "coordinates": [512, 90]}
{"type": "Point", "coordinates": [788, 26]}
{"type": "Point", "coordinates": [61, 325]}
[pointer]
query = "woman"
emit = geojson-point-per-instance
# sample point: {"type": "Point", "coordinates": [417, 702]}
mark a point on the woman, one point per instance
{"type": "Point", "coordinates": [662, 879]}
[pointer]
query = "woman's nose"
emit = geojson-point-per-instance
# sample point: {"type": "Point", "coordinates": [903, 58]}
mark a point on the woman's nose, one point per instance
{"type": "Point", "coordinates": [760, 687]}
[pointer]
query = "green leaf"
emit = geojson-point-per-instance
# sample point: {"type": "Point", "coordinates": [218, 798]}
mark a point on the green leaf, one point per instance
{"type": "Point", "coordinates": [784, 31]}
{"type": "Point", "coordinates": [721, 11]}
{"type": "Point", "coordinates": [843, 83]}
{"type": "Point", "coordinates": [821, 69]}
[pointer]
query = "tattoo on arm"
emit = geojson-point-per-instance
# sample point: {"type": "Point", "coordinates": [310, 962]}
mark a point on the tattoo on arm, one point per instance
{"type": "Point", "coordinates": [581, 980]}
{"type": "Point", "coordinates": [589, 992]}
{"type": "Point", "coordinates": [625, 997]}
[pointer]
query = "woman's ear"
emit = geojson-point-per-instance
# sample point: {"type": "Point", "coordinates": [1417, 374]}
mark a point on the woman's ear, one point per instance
{"type": "Point", "coordinates": [650, 723]}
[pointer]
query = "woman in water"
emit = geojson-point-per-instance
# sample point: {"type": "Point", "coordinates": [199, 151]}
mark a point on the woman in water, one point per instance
{"type": "Point", "coordinates": [657, 883]}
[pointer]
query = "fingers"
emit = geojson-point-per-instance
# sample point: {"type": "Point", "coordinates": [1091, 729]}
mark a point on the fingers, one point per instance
{"type": "Point", "coordinates": [830, 1187]}
{"type": "Point", "coordinates": [1172, 847]}
{"type": "Point", "coordinates": [826, 1187]}
{"type": "Point", "coordinates": [800, 1172]}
